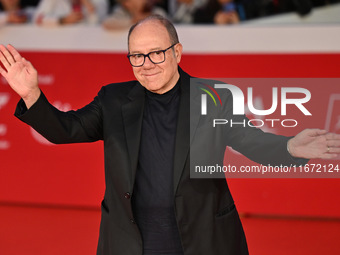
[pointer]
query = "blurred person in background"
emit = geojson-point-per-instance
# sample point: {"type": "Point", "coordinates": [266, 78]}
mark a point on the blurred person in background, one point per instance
{"type": "Point", "coordinates": [63, 12]}
{"type": "Point", "coordinates": [128, 12]}
{"type": "Point", "coordinates": [112, 3]}
{"type": "Point", "coordinates": [181, 11]}
{"type": "Point", "coordinates": [262, 8]}
{"type": "Point", "coordinates": [15, 12]}
{"type": "Point", "coordinates": [32, 2]}
{"type": "Point", "coordinates": [221, 12]}
{"type": "Point", "coordinates": [324, 2]}
{"type": "Point", "coordinates": [272, 7]}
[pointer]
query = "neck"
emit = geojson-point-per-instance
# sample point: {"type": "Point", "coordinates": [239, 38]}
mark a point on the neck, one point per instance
{"type": "Point", "coordinates": [172, 84]}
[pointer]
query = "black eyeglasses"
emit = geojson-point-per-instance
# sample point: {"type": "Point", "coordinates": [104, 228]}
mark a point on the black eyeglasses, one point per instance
{"type": "Point", "coordinates": [156, 57]}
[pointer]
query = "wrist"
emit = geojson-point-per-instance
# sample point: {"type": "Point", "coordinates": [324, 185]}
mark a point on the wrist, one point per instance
{"type": "Point", "coordinates": [32, 98]}
{"type": "Point", "coordinates": [290, 148]}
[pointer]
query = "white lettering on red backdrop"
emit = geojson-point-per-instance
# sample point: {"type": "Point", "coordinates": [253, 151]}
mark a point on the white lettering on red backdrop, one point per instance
{"type": "Point", "coordinates": [4, 144]}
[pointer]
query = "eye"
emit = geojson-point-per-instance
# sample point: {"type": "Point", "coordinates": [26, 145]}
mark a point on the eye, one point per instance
{"type": "Point", "coordinates": [137, 56]}
{"type": "Point", "coordinates": [157, 52]}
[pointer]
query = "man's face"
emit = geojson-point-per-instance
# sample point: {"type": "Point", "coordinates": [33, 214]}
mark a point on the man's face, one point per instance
{"type": "Point", "coordinates": [152, 36]}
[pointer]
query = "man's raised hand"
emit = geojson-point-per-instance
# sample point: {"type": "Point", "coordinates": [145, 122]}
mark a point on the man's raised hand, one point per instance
{"type": "Point", "coordinates": [20, 74]}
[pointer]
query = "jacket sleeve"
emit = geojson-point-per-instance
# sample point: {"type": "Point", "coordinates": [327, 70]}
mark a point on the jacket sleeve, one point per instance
{"type": "Point", "coordinates": [83, 125]}
{"type": "Point", "coordinates": [262, 147]}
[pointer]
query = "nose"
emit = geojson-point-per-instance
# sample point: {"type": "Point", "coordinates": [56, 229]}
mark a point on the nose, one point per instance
{"type": "Point", "coordinates": [148, 63]}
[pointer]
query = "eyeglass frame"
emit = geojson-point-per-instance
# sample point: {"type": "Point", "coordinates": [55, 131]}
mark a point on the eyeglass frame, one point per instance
{"type": "Point", "coordinates": [148, 55]}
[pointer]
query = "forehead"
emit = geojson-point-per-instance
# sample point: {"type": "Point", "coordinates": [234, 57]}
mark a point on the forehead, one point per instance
{"type": "Point", "coordinates": [149, 35]}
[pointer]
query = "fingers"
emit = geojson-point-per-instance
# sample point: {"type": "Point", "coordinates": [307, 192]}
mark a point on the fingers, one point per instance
{"type": "Point", "coordinates": [329, 156]}
{"type": "Point", "coordinates": [333, 143]}
{"type": "Point", "coordinates": [7, 55]}
{"type": "Point", "coordinates": [3, 59]}
{"type": "Point", "coordinates": [3, 71]}
{"type": "Point", "coordinates": [333, 150]}
{"type": "Point", "coordinates": [323, 133]}
{"type": "Point", "coordinates": [317, 132]}
{"type": "Point", "coordinates": [16, 55]}
{"type": "Point", "coordinates": [332, 136]}
{"type": "Point", "coordinates": [312, 132]}
{"type": "Point", "coordinates": [320, 131]}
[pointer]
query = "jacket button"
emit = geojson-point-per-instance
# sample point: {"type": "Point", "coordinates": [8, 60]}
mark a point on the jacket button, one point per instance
{"type": "Point", "coordinates": [127, 195]}
{"type": "Point", "coordinates": [133, 221]}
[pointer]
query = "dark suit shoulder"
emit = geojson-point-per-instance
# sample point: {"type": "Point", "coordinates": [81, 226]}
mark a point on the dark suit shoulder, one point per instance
{"type": "Point", "coordinates": [120, 86]}
{"type": "Point", "coordinates": [120, 90]}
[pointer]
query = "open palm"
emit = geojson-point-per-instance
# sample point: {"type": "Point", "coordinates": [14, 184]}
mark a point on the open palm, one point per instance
{"type": "Point", "coordinates": [19, 73]}
{"type": "Point", "coordinates": [315, 143]}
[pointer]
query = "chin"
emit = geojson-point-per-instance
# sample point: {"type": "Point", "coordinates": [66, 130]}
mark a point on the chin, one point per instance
{"type": "Point", "coordinates": [153, 87]}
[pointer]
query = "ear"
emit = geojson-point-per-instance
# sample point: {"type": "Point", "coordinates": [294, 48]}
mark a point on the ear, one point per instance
{"type": "Point", "coordinates": [178, 52]}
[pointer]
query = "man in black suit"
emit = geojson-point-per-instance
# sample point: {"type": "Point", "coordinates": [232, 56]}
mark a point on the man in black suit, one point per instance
{"type": "Point", "coordinates": [151, 205]}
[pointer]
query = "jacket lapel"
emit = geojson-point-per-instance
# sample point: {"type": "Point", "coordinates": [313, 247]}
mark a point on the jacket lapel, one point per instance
{"type": "Point", "coordinates": [132, 113]}
{"type": "Point", "coordinates": [186, 127]}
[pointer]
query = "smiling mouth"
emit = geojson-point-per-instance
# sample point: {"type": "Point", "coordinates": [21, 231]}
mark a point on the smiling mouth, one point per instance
{"type": "Point", "coordinates": [149, 75]}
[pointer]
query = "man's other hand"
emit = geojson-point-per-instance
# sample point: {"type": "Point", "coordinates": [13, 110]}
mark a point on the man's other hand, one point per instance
{"type": "Point", "coordinates": [315, 143]}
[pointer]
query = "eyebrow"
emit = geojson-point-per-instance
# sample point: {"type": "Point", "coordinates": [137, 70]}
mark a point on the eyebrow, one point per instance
{"type": "Point", "coordinates": [151, 50]}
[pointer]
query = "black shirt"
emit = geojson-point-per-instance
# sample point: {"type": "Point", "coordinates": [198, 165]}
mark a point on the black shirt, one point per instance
{"type": "Point", "coordinates": [153, 196]}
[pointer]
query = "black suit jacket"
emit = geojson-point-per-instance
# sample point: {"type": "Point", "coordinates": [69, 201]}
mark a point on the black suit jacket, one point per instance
{"type": "Point", "coordinates": [207, 219]}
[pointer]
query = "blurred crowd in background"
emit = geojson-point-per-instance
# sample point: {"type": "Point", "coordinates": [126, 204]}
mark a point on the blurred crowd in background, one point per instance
{"type": "Point", "coordinates": [121, 14]}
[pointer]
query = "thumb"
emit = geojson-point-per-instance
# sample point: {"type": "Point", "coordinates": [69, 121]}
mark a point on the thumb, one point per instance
{"type": "Point", "coordinates": [315, 132]}
{"type": "Point", "coordinates": [320, 131]}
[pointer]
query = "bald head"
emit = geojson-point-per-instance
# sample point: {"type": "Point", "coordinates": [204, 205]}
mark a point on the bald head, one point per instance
{"type": "Point", "coordinates": [160, 20]}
